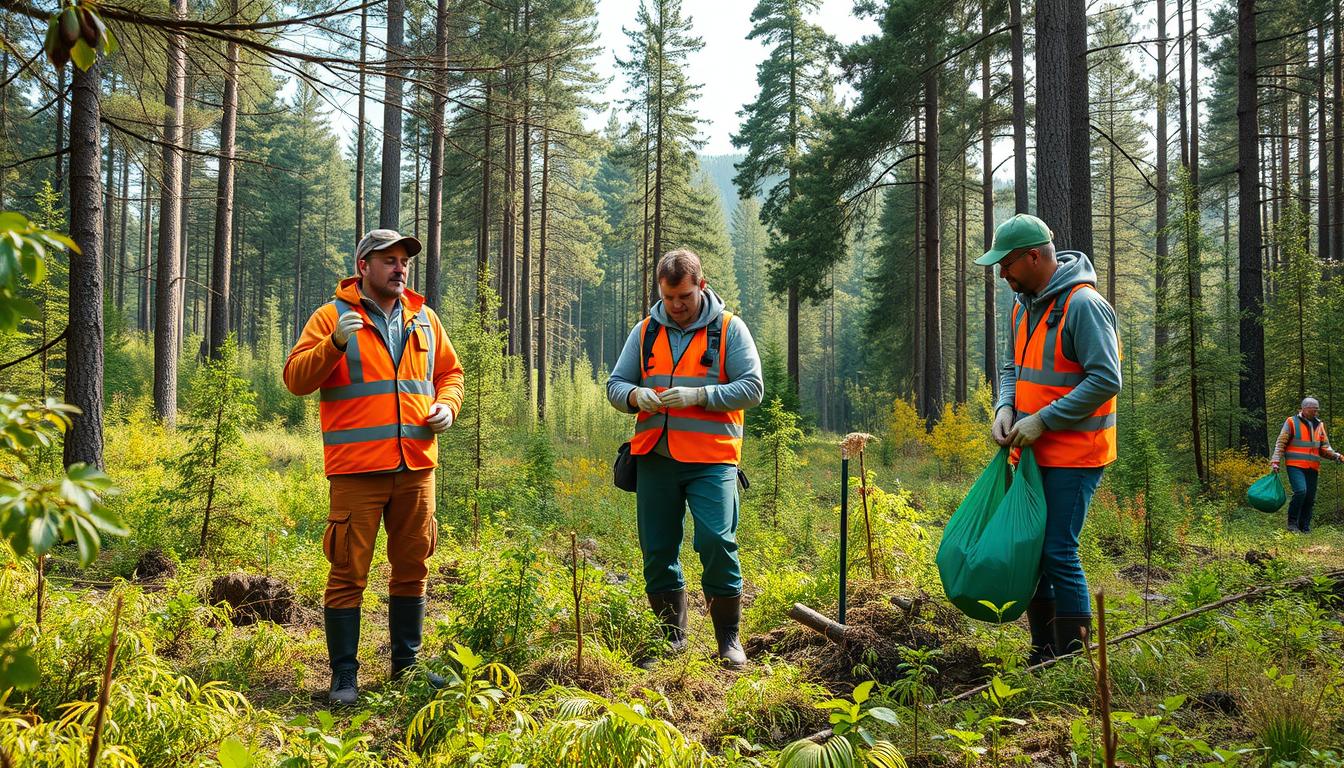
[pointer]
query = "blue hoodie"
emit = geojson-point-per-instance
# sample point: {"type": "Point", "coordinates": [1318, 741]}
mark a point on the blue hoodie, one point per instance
{"type": "Point", "coordinates": [741, 364]}
{"type": "Point", "coordinates": [1089, 338]}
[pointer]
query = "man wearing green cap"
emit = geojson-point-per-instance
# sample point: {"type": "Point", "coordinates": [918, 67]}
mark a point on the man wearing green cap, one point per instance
{"type": "Point", "coordinates": [1057, 394]}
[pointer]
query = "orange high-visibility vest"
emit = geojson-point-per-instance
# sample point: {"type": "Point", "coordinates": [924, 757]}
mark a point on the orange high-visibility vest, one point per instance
{"type": "Point", "coordinates": [694, 435]}
{"type": "Point", "coordinates": [1044, 375]}
{"type": "Point", "coordinates": [1304, 447]}
{"type": "Point", "coordinates": [373, 413]}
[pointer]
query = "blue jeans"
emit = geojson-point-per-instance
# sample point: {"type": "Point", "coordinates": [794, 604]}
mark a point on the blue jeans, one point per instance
{"type": "Point", "coordinates": [664, 489]}
{"type": "Point", "coordinates": [1303, 483]}
{"type": "Point", "coordinates": [1068, 492]}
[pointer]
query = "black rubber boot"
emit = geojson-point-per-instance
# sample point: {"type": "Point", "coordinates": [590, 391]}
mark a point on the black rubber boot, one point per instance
{"type": "Point", "coordinates": [726, 613]}
{"type": "Point", "coordinates": [342, 625]}
{"type": "Point", "coordinates": [1041, 620]}
{"type": "Point", "coordinates": [1071, 632]}
{"type": "Point", "coordinates": [405, 622]}
{"type": "Point", "coordinates": [670, 608]}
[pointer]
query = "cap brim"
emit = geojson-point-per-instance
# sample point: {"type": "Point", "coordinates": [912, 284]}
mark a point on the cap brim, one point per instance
{"type": "Point", "coordinates": [413, 246]}
{"type": "Point", "coordinates": [992, 257]}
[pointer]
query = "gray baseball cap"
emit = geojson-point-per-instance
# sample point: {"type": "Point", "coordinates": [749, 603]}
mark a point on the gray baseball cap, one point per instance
{"type": "Point", "coordinates": [380, 239]}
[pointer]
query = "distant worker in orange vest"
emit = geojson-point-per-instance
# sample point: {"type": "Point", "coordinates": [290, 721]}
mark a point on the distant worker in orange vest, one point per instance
{"type": "Point", "coordinates": [689, 370]}
{"type": "Point", "coordinates": [389, 383]}
{"type": "Point", "coordinates": [1058, 395]}
{"type": "Point", "coordinates": [1303, 442]}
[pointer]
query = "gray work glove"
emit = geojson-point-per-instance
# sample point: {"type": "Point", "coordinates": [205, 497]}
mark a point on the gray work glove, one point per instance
{"type": "Point", "coordinates": [684, 397]}
{"type": "Point", "coordinates": [1003, 422]}
{"type": "Point", "coordinates": [346, 325]}
{"type": "Point", "coordinates": [440, 418]}
{"type": "Point", "coordinates": [1027, 431]}
{"type": "Point", "coordinates": [647, 400]}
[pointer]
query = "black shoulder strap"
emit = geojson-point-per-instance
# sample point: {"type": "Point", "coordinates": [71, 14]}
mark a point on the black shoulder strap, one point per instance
{"type": "Point", "coordinates": [650, 336]}
{"type": "Point", "coordinates": [714, 336]}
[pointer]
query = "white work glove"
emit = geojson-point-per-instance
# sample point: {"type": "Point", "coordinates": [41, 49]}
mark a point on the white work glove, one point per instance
{"type": "Point", "coordinates": [440, 418]}
{"type": "Point", "coordinates": [1027, 431]}
{"type": "Point", "coordinates": [1003, 422]}
{"type": "Point", "coordinates": [346, 325]}
{"type": "Point", "coordinates": [647, 400]}
{"type": "Point", "coordinates": [684, 397]}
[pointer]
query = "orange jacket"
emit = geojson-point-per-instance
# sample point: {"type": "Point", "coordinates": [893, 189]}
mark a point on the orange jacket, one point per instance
{"type": "Point", "coordinates": [1045, 375]}
{"type": "Point", "coordinates": [373, 416]}
{"type": "Point", "coordinates": [694, 435]}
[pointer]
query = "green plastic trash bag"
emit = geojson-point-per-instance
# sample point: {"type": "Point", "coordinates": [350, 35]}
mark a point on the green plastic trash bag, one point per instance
{"type": "Point", "coordinates": [1266, 494]}
{"type": "Point", "coordinates": [991, 548]}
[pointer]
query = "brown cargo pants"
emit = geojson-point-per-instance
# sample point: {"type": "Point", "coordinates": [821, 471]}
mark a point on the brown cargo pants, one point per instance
{"type": "Point", "coordinates": [404, 503]}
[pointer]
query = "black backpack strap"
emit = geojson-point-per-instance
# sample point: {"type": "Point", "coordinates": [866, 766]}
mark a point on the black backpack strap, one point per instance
{"type": "Point", "coordinates": [650, 336]}
{"type": "Point", "coordinates": [714, 335]}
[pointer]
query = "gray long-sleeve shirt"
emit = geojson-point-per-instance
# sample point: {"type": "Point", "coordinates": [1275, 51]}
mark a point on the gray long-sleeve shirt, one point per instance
{"type": "Point", "coordinates": [745, 386]}
{"type": "Point", "coordinates": [1089, 338]}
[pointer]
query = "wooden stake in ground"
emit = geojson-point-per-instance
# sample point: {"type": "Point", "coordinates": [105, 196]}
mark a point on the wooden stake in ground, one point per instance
{"type": "Point", "coordinates": [853, 444]}
{"type": "Point", "coordinates": [1104, 683]}
{"type": "Point", "coordinates": [576, 587]}
{"type": "Point", "coordinates": [100, 714]}
{"type": "Point", "coordinates": [41, 585]}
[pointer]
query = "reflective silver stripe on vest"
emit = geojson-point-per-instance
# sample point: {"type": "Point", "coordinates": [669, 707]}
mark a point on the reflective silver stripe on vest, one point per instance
{"type": "Point", "coordinates": [1303, 456]}
{"type": "Point", "coordinates": [359, 435]}
{"type": "Point", "coordinates": [416, 432]}
{"type": "Point", "coordinates": [1089, 424]}
{"type": "Point", "coordinates": [384, 387]}
{"type": "Point", "coordinates": [1050, 378]}
{"type": "Point", "coordinates": [352, 360]}
{"type": "Point", "coordinates": [422, 317]}
{"type": "Point", "coordinates": [383, 432]}
{"type": "Point", "coordinates": [698, 426]}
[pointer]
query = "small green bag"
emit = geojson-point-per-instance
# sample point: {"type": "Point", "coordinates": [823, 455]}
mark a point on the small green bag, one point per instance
{"type": "Point", "coordinates": [991, 548]}
{"type": "Point", "coordinates": [1266, 494]}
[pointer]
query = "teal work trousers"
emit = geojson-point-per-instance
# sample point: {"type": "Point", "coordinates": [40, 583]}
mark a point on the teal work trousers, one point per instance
{"type": "Point", "coordinates": [665, 488]}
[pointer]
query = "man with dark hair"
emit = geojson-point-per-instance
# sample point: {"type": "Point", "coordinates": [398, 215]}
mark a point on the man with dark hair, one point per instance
{"type": "Point", "coordinates": [689, 370]}
{"type": "Point", "coordinates": [390, 383]}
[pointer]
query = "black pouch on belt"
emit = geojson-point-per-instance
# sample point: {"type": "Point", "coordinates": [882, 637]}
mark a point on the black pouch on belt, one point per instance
{"type": "Point", "coordinates": [623, 470]}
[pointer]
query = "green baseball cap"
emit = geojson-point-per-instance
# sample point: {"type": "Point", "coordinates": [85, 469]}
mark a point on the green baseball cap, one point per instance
{"type": "Point", "coordinates": [1021, 231]}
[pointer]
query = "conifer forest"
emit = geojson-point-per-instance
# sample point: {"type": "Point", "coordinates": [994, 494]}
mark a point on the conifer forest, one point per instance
{"type": "Point", "coordinates": [197, 375]}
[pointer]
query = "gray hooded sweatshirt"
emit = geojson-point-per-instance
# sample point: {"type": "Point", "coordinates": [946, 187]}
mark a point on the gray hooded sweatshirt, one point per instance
{"type": "Point", "coordinates": [741, 365]}
{"type": "Point", "coordinates": [1089, 338]}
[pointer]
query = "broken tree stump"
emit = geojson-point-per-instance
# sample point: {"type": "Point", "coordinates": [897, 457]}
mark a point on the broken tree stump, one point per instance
{"type": "Point", "coordinates": [831, 630]}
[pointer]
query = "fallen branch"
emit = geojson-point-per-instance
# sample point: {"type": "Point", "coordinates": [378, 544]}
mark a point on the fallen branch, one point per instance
{"type": "Point", "coordinates": [831, 630]}
{"type": "Point", "coordinates": [1133, 633]}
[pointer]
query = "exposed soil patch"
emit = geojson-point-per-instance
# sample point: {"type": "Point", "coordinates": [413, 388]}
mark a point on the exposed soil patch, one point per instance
{"type": "Point", "coordinates": [255, 598]}
{"type": "Point", "coordinates": [154, 565]}
{"type": "Point", "coordinates": [1138, 573]}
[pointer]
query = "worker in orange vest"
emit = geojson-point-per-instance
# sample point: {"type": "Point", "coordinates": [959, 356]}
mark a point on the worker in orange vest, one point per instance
{"type": "Point", "coordinates": [389, 383]}
{"type": "Point", "coordinates": [689, 370]}
{"type": "Point", "coordinates": [1058, 395]}
{"type": "Point", "coordinates": [1303, 442]}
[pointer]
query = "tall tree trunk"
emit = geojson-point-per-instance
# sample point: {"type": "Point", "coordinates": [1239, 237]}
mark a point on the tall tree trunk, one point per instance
{"type": "Point", "coordinates": [1161, 334]}
{"type": "Point", "coordinates": [987, 199]}
{"type": "Point", "coordinates": [483, 238]}
{"type": "Point", "coordinates": [658, 151]}
{"type": "Point", "coordinates": [1063, 161]}
{"type": "Point", "coordinates": [1180, 87]}
{"type": "Point", "coordinates": [4, 96]}
{"type": "Point", "coordinates": [109, 188]}
{"type": "Point", "coordinates": [933, 312]}
{"type": "Point", "coordinates": [1304, 153]}
{"type": "Point", "coordinates": [219, 273]}
{"type": "Point", "coordinates": [1322, 166]}
{"type": "Point", "coordinates": [509, 231]}
{"type": "Point", "coordinates": [543, 246]}
{"type": "Point", "coordinates": [917, 254]}
{"type": "Point", "coordinates": [297, 310]}
{"type": "Point", "coordinates": [960, 367]}
{"type": "Point", "coordinates": [1196, 240]}
{"type": "Point", "coordinates": [59, 184]}
{"type": "Point", "coordinates": [121, 230]}
{"type": "Point", "coordinates": [1337, 194]}
{"type": "Point", "coordinates": [525, 285]}
{"type": "Point", "coordinates": [389, 209]}
{"type": "Point", "coordinates": [434, 236]}
{"type": "Point", "coordinates": [360, 160]}
{"type": "Point", "coordinates": [166, 325]}
{"type": "Point", "coordinates": [1250, 293]}
{"type": "Point", "coordinates": [143, 303]}
{"type": "Point", "coordinates": [84, 342]}
{"type": "Point", "coordinates": [1021, 202]}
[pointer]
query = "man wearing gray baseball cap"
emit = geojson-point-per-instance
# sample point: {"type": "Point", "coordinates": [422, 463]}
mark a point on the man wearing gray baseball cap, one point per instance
{"type": "Point", "coordinates": [390, 382]}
